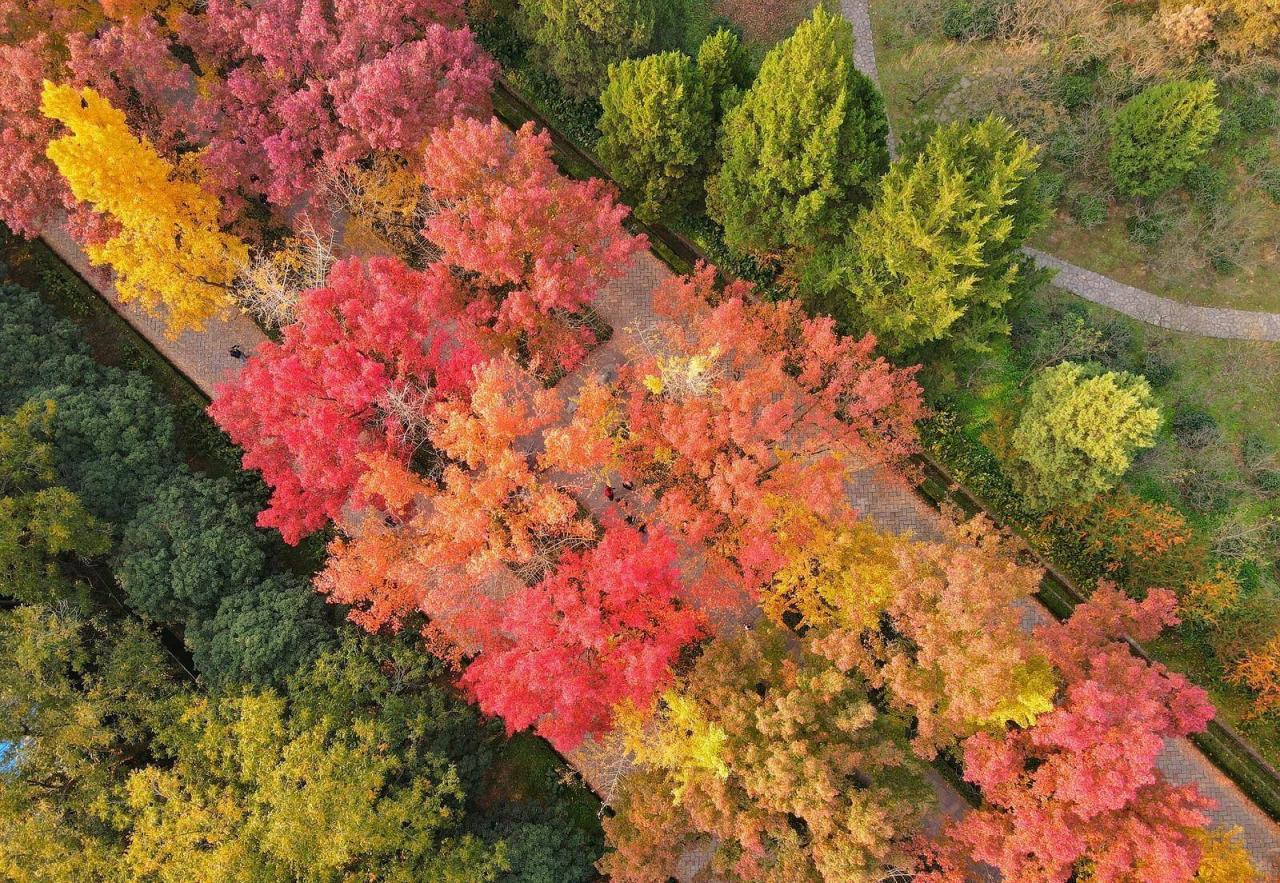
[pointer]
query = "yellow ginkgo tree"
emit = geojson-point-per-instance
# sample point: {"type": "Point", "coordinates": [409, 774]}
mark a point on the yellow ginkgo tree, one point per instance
{"type": "Point", "coordinates": [170, 251]}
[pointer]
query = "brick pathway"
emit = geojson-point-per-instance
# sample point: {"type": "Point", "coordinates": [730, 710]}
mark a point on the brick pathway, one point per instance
{"type": "Point", "coordinates": [1217, 322]}
{"type": "Point", "coordinates": [877, 492]}
{"type": "Point", "coordinates": [203, 356]}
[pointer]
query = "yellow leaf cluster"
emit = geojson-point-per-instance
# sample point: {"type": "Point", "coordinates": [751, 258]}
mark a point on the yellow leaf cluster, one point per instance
{"type": "Point", "coordinates": [170, 251]}
{"type": "Point", "coordinates": [1225, 859]}
{"type": "Point", "coordinates": [677, 739]}
{"type": "Point", "coordinates": [841, 574]}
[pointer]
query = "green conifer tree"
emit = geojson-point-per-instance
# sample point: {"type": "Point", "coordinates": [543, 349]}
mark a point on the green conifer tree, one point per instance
{"type": "Point", "coordinates": [1078, 433]}
{"type": "Point", "coordinates": [655, 130]}
{"type": "Point", "coordinates": [803, 149]}
{"type": "Point", "coordinates": [577, 40]}
{"type": "Point", "coordinates": [1160, 134]}
{"type": "Point", "coordinates": [938, 255]}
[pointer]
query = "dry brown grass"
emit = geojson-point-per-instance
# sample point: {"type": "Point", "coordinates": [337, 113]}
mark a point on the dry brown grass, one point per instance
{"type": "Point", "coordinates": [765, 22]}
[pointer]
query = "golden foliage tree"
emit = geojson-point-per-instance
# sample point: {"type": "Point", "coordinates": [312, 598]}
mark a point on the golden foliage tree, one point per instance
{"type": "Point", "coordinates": [169, 251]}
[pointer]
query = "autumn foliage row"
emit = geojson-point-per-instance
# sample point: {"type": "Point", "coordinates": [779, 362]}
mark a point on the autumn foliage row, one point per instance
{"type": "Point", "coordinates": [594, 557]}
{"type": "Point", "coordinates": [582, 556]}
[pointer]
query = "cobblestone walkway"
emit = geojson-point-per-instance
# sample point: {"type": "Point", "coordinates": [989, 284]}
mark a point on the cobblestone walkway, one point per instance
{"type": "Point", "coordinates": [1218, 322]}
{"type": "Point", "coordinates": [1145, 307]}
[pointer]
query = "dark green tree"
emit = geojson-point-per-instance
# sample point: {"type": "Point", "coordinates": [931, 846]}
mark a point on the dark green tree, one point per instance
{"type": "Point", "coordinates": [1161, 134]}
{"type": "Point", "coordinates": [656, 131]}
{"type": "Point", "coordinates": [262, 634]}
{"type": "Point", "coordinates": [39, 519]}
{"type": "Point", "coordinates": [577, 40]}
{"type": "Point", "coordinates": [938, 255]}
{"type": "Point", "coordinates": [803, 149]}
{"type": "Point", "coordinates": [189, 548]}
{"type": "Point", "coordinates": [39, 348]}
{"type": "Point", "coordinates": [114, 443]}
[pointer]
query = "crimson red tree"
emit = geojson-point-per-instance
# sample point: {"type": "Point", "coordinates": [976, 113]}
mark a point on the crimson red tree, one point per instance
{"type": "Point", "coordinates": [533, 245]}
{"type": "Point", "coordinates": [309, 86]}
{"type": "Point", "coordinates": [604, 628]}
{"type": "Point", "coordinates": [353, 376]}
{"type": "Point", "coordinates": [734, 411]}
{"type": "Point", "coordinates": [1080, 789]}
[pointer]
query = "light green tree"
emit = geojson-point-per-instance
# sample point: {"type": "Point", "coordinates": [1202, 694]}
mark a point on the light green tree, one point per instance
{"type": "Point", "coordinates": [725, 66]}
{"type": "Point", "coordinates": [804, 147]}
{"type": "Point", "coordinates": [1078, 432]}
{"type": "Point", "coordinates": [39, 519]}
{"type": "Point", "coordinates": [81, 697]}
{"type": "Point", "coordinates": [937, 256]}
{"type": "Point", "coordinates": [1160, 134]}
{"type": "Point", "coordinates": [321, 783]}
{"type": "Point", "coordinates": [656, 130]}
{"type": "Point", "coordinates": [577, 40]}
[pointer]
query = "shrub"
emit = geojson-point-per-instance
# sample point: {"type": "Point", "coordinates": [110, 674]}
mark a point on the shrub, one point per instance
{"type": "Point", "coordinates": [1089, 210]}
{"type": "Point", "coordinates": [1206, 185]}
{"type": "Point", "coordinates": [1160, 134]}
{"type": "Point", "coordinates": [1211, 597]}
{"type": "Point", "coordinates": [1157, 367]}
{"type": "Point", "coordinates": [656, 130]}
{"type": "Point", "coordinates": [1259, 670]}
{"type": "Point", "coordinates": [577, 40]}
{"type": "Point", "coordinates": [972, 19]}
{"type": "Point", "coordinates": [1147, 228]}
{"type": "Point", "coordinates": [805, 146]}
{"type": "Point", "coordinates": [1194, 427]}
{"type": "Point", "coordinates": [1078, 432]}
{"type": "Point", "coordinates": [1269, 180]}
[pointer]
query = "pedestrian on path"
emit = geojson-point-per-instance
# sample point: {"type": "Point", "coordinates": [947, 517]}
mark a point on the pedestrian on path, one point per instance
{"type": "Point", "coordinates": [237, 352]}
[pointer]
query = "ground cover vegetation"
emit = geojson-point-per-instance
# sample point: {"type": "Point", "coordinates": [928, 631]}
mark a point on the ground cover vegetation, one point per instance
{"type": "Point", "coordinates": [656, 567]}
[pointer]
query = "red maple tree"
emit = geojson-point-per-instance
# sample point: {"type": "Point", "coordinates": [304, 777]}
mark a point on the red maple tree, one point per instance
{"type": "Point", "coordinates": [354, 375]}
{"type": "Point", "coordinates": [604, 628]}
{"type": "Point", "coordinates": [533, 245]}
{"type": "Point", "coordinates": [309, 86]}
{"type": "Point", "coordinates": [1080, 788]}
{"type": "Point", "coordinates": [732, 405]}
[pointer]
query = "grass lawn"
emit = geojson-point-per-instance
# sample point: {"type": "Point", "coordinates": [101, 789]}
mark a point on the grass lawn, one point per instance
{"type": "Point", "coordinates": [1227, 389]}
{"type": "Point", "coordinates": [1227, 254]}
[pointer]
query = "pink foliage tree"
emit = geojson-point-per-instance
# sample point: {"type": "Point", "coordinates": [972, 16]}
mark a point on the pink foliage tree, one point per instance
{"type": "Point", "coordinates": [353, 377]}
{"type": "Point", "coordinates": [310, 86]}
{"type": "Point", "coordinates": [31, 190]}
{"type": "Point", "coordinates": [1080, 789]}
{"type": "Point", "coordinates": [604, 628]}
{"type": "Point", "coordinates": [534, 245]}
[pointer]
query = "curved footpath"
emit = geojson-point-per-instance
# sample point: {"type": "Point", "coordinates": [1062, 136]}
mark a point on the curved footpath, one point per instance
{"type": "Point", "coordinates": [1219, 322]}
{"type": "Point", "coordinates": [203, 357]}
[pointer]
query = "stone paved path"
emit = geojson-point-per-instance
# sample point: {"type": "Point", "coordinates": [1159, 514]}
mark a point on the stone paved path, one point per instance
{"type": "Point", "coordinates": [1218, 322]}
{"type": "Point", "coordinates": [203, 357]}
{"type": "Point", "coordinates": [1176, 316]}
